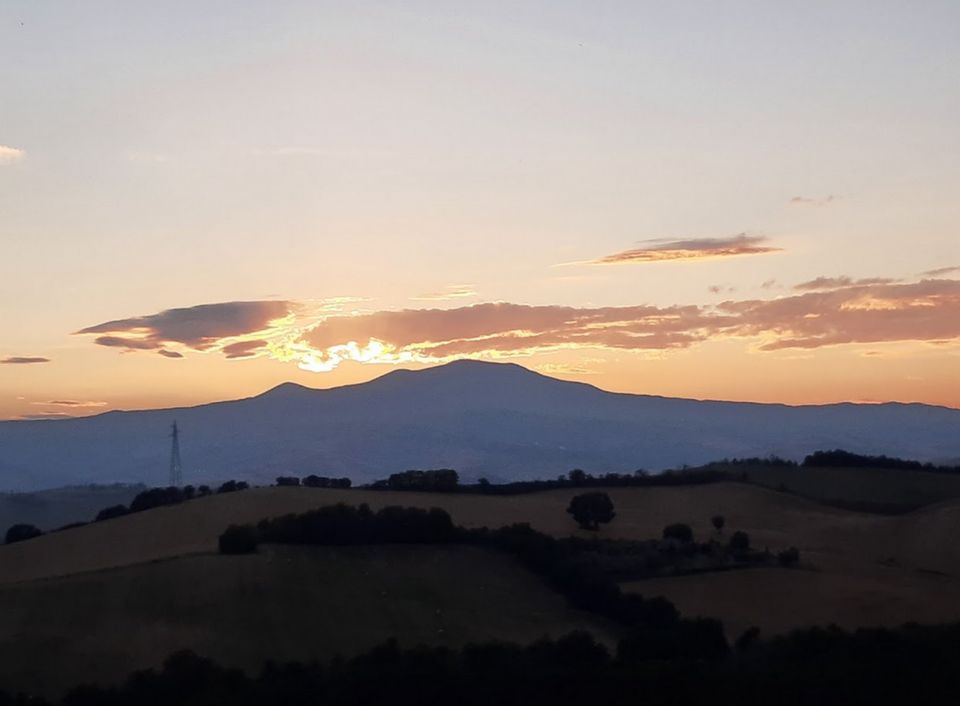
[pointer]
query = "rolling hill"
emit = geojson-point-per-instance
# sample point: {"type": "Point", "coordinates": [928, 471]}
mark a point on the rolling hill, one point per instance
{"type": "Point", "coordinates": [97, 601]}
{"type": "Point", "coordinates": [500, 421]}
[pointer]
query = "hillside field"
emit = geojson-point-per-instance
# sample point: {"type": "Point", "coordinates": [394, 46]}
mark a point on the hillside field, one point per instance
{"type": "Point", "coordinates": [143, 584]}
{"type": "Point", "coordinates": [880, 488]}
{"type": "Point", "coordinates": [284, 603]}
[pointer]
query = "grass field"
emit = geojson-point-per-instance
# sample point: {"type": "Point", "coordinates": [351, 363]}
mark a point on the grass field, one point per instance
{"type": "Point", "coordinates": [285, 603]}
{"type": "Point", "coordinates": [857, 569]}
{"type": "Point", "coordinates": [882, 488]}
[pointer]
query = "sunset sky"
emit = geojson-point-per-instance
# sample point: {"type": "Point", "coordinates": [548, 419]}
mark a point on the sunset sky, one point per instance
{"type": "Point", "coordinates": [737, 200]}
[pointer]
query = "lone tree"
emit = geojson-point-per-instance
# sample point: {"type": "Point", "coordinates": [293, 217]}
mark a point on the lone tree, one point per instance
{"type": "Point", "coordinates": [590, 509]}
{"type": "Point", "coordinates": [718, 521]}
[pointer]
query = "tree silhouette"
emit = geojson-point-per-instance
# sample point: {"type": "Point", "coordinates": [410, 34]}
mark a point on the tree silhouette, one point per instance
{"type": "Point", "coordinates": [21, 532]}
{"type": "Point", "coordinates": [718, 521]}
{"type": "Point", "coordinates": [590, 509]}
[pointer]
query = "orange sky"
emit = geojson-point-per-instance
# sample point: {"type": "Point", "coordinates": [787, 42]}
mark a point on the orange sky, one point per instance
{"type": "Point", "coordinates": [738, 202]}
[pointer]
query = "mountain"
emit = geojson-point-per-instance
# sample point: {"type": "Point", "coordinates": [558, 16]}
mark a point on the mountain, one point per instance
{"type": "Point", "coordinates": [500, 421]}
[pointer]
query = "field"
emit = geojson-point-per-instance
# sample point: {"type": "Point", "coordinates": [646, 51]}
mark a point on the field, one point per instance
{"type": "Point", "coordinates": [134, 588]}
{"type": "Point", "coordinates": [883, 489]}
{"type": "Point", "coordinates": [285, 603]}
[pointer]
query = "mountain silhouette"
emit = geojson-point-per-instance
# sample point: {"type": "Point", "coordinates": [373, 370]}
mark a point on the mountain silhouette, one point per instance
{"type": "Point", "coordinates": [495, 420]}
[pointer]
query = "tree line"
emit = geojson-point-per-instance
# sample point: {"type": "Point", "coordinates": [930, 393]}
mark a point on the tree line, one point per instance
{"type": "Point", "coordinates": [823, 666]}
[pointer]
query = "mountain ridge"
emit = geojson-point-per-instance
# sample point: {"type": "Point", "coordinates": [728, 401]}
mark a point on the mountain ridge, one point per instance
{"type": "Point", "coordinates": [497, 420]}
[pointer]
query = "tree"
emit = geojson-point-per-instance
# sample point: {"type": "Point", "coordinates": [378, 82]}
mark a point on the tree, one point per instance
{"type": "Point", "coordinates": [108, 513]}
{"type": "Point", "coordinates": [678, 531]}
{"type": "Point", "coordinates": [577, 476]}
{"type": "Point", "coordinates": [590, 509]}
{"type": "Point", "coordinates": [718, 521]}
{"type": "Point", "coordinates": [21, 532]}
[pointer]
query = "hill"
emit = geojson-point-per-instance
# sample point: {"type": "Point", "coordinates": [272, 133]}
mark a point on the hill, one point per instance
{"type": "Point", "coordinates": [857, 569]}
{"type": "Point", "coordinates": [484, 419]}
{"type": "Point", "coordinates": [876, 489]}
{"type": "Point", "coordinates": [50, 509]}
{"type": "Point", "coordinates": [282, 603]}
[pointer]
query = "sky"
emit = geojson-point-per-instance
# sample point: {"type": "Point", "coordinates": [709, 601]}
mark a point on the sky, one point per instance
{"type": "Point", "coordinates": [738, 200]}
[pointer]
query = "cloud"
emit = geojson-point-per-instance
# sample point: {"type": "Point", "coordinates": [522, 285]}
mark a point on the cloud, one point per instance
{"type": "Point", "coordinates": [813, 201]}
{"type": "Point", "coordinates": [203, 327]}
{"type": "Point", "coordinates": [72, 403]}
{"type": "Point", "coordinates": [243, 349]}
{"type": "Point", "coordinates": [834, 311]}
{"type": "Point", "coordinates": [875, 312]}
{"type": "Point", "coordinates": [46, 415]}
{"type": "Point", "coordinates": [453, 291]}
{"type": "Point", "coordinates": [8, 155]}
{"type": "Point", "coordinates": [823, 283]}
{"type": "Point", "coordinates": [768, 284]}
{"type": "Point", "coordinates": [23, 360]}
{"type": "Point", "coordinates": [720, 288]}
{"type": "Point", "coordinates": [868, 313]}
{"type": "Point", "coordinates": [695, 249]}
{"type": "Point", "coordinates": [940, 271]}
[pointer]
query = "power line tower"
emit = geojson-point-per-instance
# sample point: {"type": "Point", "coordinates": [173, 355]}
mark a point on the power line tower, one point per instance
{"type": "Point", "coordinates": [176, 465]}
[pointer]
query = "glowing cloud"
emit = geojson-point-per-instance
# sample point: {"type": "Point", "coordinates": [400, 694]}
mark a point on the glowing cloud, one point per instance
{"type": "Point", "coordinates": [8, 155]}
{"type": "Point", "coordinates": [71, 403]}
{"type": "Point", "coordinates": [836, 311]}
{"type": "Point", "coordinates": [695, 249]}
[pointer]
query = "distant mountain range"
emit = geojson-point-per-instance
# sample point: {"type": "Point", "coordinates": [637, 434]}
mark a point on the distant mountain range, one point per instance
{"type": "Point", "coordinates": [498, 421]}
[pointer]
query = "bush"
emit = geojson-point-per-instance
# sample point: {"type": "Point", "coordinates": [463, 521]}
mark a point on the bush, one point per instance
{"type": "Point", "coordinates": [288, 481]}
{"type": "Point", "coordinates": [238, 539]}
{"type": "Point", "coordinates": [108, 513]}
{"type": "Point", "coordinates": [21, 533]}
{"type": "Point", "coordinates": [678, 531]}
{"type": "Point", "coordinates": [231, 486]}
{"type": "Point", "coordinates": [590, 509]}
{"type": "Point", "coordinates": [344, 525]}
{"type": "Point", "coordinates": [156, 497]}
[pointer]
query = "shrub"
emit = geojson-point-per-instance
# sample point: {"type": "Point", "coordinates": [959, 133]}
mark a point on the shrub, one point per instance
{"type": "Point", "coordinates": [678, 531]}
{"type": "Point", "coordinates": [231, 486]}
{"type": "Point", "coordinates": [108, 513]}
{"type": "Point", "coordinates": [288, 481]}
{"type": "Point", "coordinates": [21, 533]}
{"type": "Point", "coordinates": [238, 539]}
